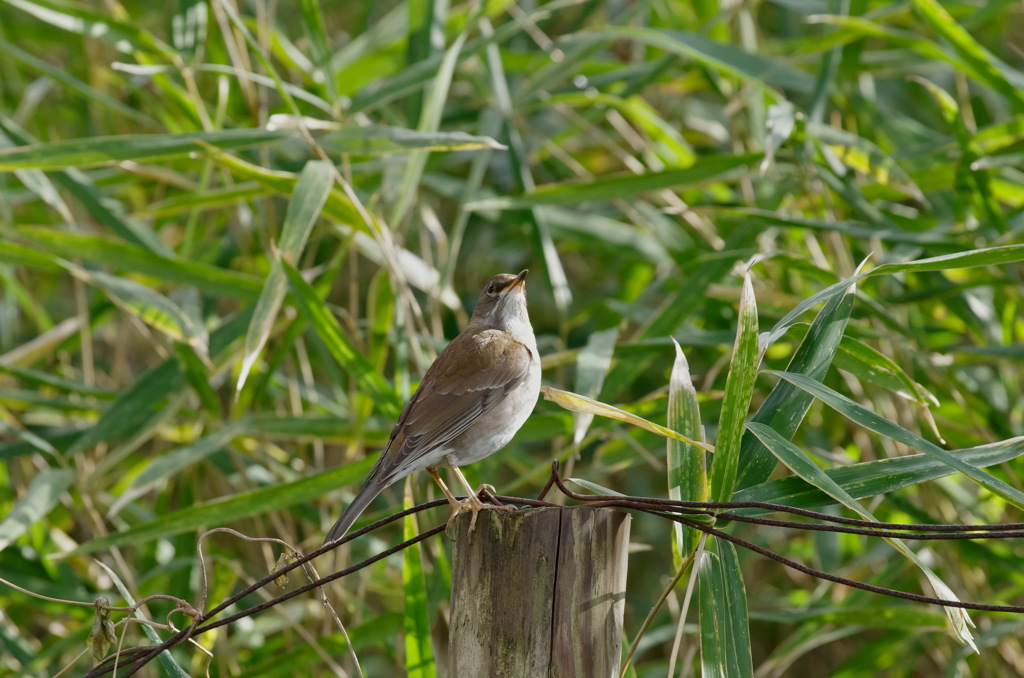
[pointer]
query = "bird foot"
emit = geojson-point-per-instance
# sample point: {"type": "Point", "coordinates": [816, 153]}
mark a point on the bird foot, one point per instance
{"type": "Point", "coordinates": [487, 492]}
{"type": "Point", "coordinates": [473, 504]}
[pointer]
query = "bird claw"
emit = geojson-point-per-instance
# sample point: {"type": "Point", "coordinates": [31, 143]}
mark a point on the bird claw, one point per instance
{"type": "Point", "coordinates": [474, 506]}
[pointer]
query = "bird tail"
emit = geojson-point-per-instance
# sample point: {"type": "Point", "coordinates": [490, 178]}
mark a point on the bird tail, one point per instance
{"type": "Point", "coordinates": [367, 494]}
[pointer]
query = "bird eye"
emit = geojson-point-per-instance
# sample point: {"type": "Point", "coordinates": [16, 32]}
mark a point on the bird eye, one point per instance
{"type": "Point", "coordinates": [492, 288]}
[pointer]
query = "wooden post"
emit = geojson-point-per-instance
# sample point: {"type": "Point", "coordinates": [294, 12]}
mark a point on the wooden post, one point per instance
{"type": "Point", "coordinates": [539, 592]}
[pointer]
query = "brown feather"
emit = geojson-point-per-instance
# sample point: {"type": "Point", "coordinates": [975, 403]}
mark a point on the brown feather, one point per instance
{"type": "Point", "coordinates": [454, 393]}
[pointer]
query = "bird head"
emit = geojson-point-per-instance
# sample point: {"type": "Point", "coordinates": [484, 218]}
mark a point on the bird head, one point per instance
{"type": "Point", "coordinates": [502, 304]}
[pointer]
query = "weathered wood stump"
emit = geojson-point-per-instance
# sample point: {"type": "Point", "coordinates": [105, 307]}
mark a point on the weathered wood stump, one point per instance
{"type": "Point", "coordinates": [539, 592]}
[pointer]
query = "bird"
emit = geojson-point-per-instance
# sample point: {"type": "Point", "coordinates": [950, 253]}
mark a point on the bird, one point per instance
{"type": "Point", "coordinates": [473, 398]}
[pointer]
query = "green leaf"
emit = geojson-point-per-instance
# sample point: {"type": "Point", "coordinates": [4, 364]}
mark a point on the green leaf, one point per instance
{"type": "Point", "coordinates": [18, 255]}
{"type": "Point", "coordinates": [724, 628]}
{"type": "Point", "coordinates": [311, 191]}
{"type": "Point", "coordinates": [133, 258]}
{"type": "Point", "coordinates": [852, 228]}
{"type": "Point", "coordinates": [990, 256]}
{"type": "Point", "coordinates": [352, 361]}
{"type": "Point", "coordinates": [380, 139]}
{"type": "Point", "coordinates": [103, 208]}
{"type": "Point", "coordinates": [419, 651]}
{"type": "Point", "coordinates": [86, 22]}
{"type": "Point", "coordinates": [71, 82]}
{"type": "Point", "coordinates": [135, 408]}
{"type": "Point", "coordinates": [739, 386]}
{"type": "Point", "coordinates": [577, 403]}
{"type": "Point", "coordinates": [316, 30]}
{"type": "Point", "coordinates": [621, 186]}
{"type": "Point", "coordinates": [429, 122]}
{"type": "Point", "coordinates": [871, 478]}
{"type": "Point", "coordinates": [874, 422]}
{"type": "Point", "coordinates": [210, 199]}
{"type": "Point", "coordinates": [310, 194]}
{"type": "Point", "coordinates": [235, 507]}
{"type": "Point", "coordinates": [687, 476]}
{"type": "Point", "coordinates": [172, 461]}
{"type": "Point", "coordinates": [149, 306]}
{"type": "Point", "coordinates": [988, 68]}
{"type": "Point", "coordinates": [592, 363]}
{"type": "Point", "coordinates": [39, 499]}
{"type": "Point", "coordinates": [756, 68]}
{"type": "Point", "coordinates": [871, 364]}
{"type": "Point", "coordinates": [338, 207]}
{"type": "Point", "coordinates": [801, 464]}
{"type": "Point", "coordinates": [786, 406]}
{"type": "Point", "coordinates": [99, 151]}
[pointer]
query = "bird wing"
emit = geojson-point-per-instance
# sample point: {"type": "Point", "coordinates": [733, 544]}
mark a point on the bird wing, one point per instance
{"type": "Point", "coordinates": [454, 394]}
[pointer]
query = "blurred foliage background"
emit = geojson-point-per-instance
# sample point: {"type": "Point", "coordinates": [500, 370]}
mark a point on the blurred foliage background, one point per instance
{"type": "Point", "coordinates": [166, 170]}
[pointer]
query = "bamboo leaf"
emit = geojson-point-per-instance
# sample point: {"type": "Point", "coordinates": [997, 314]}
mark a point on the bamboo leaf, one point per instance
{"type": "Point", "coordinates": [327, 328]}
{"type": "Point", "coordinates": [99, 151]}
{"type": "Point", "coordinates": [380, 139]}
{"type": "Point", "coordinates": [786, 406]}
{"type": "Point", "coordinates": [577, 403]}
{"type": "Point", "coordinates": [687, 476]}
{"type": "Point", "coordinates": [136, 409]}
{"type": "Point", "coordinates": [795, 459]}
{"type": "Point", "coordinates": [419, 651]}
{"type": "Point", "coordinates": [40, 498]}
{"type": "Point", "coordinates": [135, 259]}
{"type": "Point", "coordinates": [988, 68]}
{"type": "Point", "coordinates": [734, 61]}
{"type": "Point", "coordinates": [174, 460]}
{"type": "Point", "coordinates": [311, 191]}
{"type": "Point", "coordinates": [592, 365]}
{"type": "Point", "coordinates": [871, 478]}
{"type": "Point", "coordinates": [739, 386]}
{"type": "Point", "coordinates": [620, 186]}
{"type": "Point", "coordinates": [724, 629]}
{"type": "Point", "coordinates": [868, 419]}
{"type": "Point", "coordinates": [235, 507]}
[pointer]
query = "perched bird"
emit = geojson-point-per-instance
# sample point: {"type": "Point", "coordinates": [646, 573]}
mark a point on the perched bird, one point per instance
{"type": "Point", "coordinates": [472, 400]}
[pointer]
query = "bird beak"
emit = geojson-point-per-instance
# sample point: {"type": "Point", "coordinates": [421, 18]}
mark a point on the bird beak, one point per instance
{"type": "Point", "coordinates": [519, 281]}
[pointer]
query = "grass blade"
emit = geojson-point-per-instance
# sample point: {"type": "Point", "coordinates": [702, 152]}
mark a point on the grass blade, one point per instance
{"type": "Point", "coordinates": [136, 406]}
{"type": "Point", "coordinates": [381, 139]}
{"type": "Point", "coordinates": [131, 258]}
{"type": "Point", "coordinates": [620, 186]}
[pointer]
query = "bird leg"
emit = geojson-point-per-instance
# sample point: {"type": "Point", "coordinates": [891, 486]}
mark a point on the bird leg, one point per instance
{"type": "Point", "coordinates": [455, 503]}
{"type": "Point", "coordinates": [472, 501]}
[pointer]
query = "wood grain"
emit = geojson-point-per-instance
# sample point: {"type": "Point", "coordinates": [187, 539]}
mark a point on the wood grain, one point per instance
{"type": "Point", "coordinates": [538, 592]}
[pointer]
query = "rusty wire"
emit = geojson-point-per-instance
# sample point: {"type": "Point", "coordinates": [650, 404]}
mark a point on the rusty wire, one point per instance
{"type": "Point", "coordinates": [133, 659]}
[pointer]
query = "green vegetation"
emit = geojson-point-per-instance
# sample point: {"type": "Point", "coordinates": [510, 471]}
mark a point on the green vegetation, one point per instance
{"type": "Point", "coordinates": [233, 236]}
